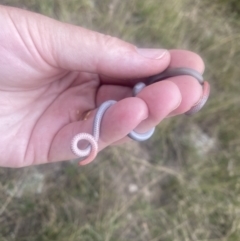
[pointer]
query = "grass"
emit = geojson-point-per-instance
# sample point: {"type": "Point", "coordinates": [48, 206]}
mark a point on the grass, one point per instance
{"type": "Point", "coordinates": [184, 190]}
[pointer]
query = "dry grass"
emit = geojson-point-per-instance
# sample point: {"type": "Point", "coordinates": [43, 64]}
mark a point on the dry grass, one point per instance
{"type": "Point", "coordinates": [172, 188]}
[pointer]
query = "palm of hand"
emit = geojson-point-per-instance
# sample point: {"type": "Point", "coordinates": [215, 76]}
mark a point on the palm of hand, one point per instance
{"type": "Point", "coordinates": [31, 117]}
{"type": "Point", "coordinates": [36, 100]}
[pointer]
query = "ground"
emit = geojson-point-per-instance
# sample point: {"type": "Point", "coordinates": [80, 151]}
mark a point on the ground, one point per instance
{"type": "Point", "coordinates": [183, 184]}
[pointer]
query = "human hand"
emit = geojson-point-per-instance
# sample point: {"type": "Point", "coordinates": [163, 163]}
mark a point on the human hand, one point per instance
{"type": "Point", "coordinates": [52, 74]}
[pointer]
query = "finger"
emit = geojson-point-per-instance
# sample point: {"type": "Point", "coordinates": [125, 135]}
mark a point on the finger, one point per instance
{"type": "Point", "coordinates": [74, 48]}
{"type": "Point", "coordinates": [117, 122]}
{"type": "Point", "coordinates": [191, 90]}
{"type": "Point", "coordinates": [185, 58]}
{"type": "Point", "coordinates": [161, 98]}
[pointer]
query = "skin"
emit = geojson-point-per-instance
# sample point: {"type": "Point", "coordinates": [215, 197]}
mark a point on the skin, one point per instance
{"type": "Point", "coordinates": [53, 73]}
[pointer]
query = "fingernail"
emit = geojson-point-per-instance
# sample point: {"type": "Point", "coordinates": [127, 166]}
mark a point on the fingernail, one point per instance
{"type": "Point", "coordinates": [152, 53]}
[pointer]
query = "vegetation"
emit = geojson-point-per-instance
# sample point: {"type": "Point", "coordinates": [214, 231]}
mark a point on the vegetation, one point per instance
{"type": "Point", "coordinates": [231, 5]}
{"type": "Point", "coordinates": [183, 184]}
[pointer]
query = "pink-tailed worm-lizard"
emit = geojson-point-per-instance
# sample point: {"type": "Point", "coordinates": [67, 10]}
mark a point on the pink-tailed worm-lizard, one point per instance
{"type": "Point", "coordinates": [91, 151]}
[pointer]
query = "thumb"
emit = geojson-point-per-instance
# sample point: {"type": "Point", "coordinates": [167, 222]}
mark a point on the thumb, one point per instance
{"type": "Point", "coordinates": [84, 50]}
{"type": "Point", "coordinates": [71, 47]}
